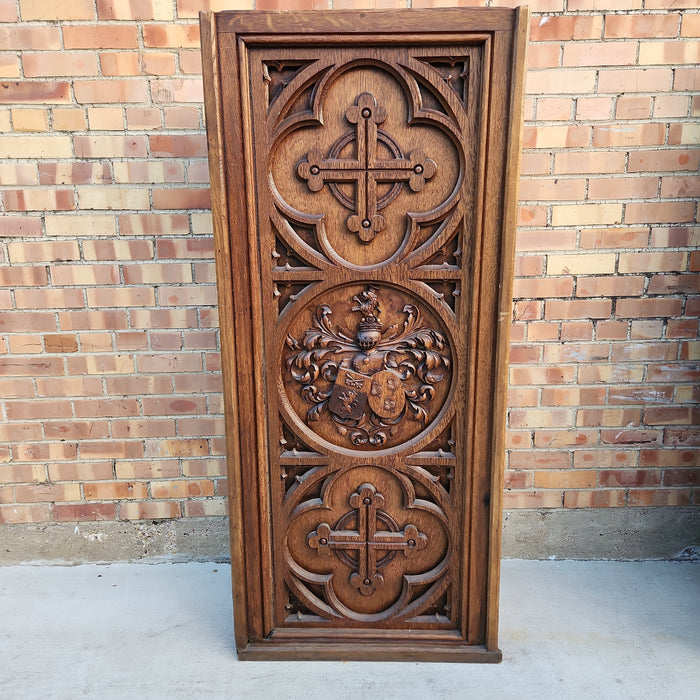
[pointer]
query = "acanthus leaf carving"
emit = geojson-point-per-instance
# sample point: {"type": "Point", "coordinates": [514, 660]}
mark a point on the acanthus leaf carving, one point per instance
{"type": "Point", "coordinates": [369, 383]}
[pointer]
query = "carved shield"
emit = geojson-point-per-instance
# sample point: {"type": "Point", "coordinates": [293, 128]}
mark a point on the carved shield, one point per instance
{"type": "Point", "coordinates": [349, 395]}
{"type": "Point", "coordinates": [386, 394]}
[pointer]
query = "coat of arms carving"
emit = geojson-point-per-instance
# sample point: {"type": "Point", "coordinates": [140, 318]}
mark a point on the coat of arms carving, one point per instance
{"type": "Point", "coordinates": [370, 382]}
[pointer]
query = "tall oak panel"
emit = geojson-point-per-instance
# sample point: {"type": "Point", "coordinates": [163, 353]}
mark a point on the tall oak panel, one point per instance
{"type": "Point", "coordinates": [363, 169]}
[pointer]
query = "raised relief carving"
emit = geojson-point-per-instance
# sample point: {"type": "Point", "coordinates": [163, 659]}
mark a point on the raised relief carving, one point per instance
{"type": "Point", "coordinates": [360, 548]}
{"type": "Point", "coordinates": [372, 382]}
{"type": "Point", "coordinates": [366, 170]}
{"type": "Point", "coordinates": [373, 545]}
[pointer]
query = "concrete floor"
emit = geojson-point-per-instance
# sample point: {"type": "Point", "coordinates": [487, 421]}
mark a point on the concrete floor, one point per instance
{"type": "Point", "coordinates": [568, 630]}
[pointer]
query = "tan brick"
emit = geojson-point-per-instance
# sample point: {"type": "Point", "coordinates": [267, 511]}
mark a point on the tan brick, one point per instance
{"type": "Point", "coordinates": [633, 107]}
{"type": "Point", "coordinates": [30, 119]}
{"type": "Point", "coordinates": [80, 225]}
{"type": "Point", "coordinates": [190, 62]}
{"type": "Point", "coordinates": [24, 514]}
{"type": "Point", "coordinates": [181, 117]}
{"type": "Point", "coordinates": [30, 276]}
{"type": "Point", "coordinates": [149, 172]}
{"type": "Point", "coordinates": [101, 364]}
{"type": "Point", "coordinates": [93, 320]}
{"type": "Point", "coordinates": [18, 174]}
{"type": "Point", "coordinates": [74, 173]}
{"type": "Point", "coordinates": [36, 147]}
{"type": "Point", "coordinates": [81, 471]}
{"type": "Point", "coordinates": [587, 214]}
{"type": "Point", "coordinates": [653, 80]}
{"type": "Point", "coordinates": [182, 488]}
{"type": "Point", "coordinates": [177, 90]}
{"type": "Point", "coordinates": [669, 52]}
{"type": "Point", "coordinates": [581, 264]}
{"type": "Point", "coordinates": [535, 499]}
{"type": "Point", "coordinates": [637, 26]}
{"type": "Point", "coordinates": [69, 119]}
{"type": "Point", "coordinates": [620, 135]}
{"type": "Point", "coordinates": [669, 106]}
{"type": "Point", "coordinates": [8, 11]}
{"type": "Point", "coordinates": [658, 497]}
{"type": "Point", "coordinates": [178, 448]}
{"type": "Point", "coordinates": [681, 134]}
{"type": "Point", "coordinates": [152, 469]}
{"type": "Point", "coordinates": [181, 362]}
{"type": "Point", "coordinates": [113, 198]}
{"type": "Point", "coordinates": [38, 199]}
{"type": "Point", "coordinates": [182, 249]}
{"type": "Point", "coordinates": [600, 53]}
{"type": "Point", "coordinates": [41, 493]}
{"type": "Point", "coordinates": [560, 189]}
{"type": "Point", "coordinates": [120, 63]}
{"type": "Point", "coordinates": [181, 198]}
{"type": "Point", "coordinates": [198, 295]}
{"type": "Point", "coordinates": [609, 498]}
{"type": "Point", "coordinates": [117, 250]}
{"type": "Point", "coordinates": [21, 473]}
{"type": "Point", "coordinates": [686, 79]}
{"type": "Point", "coordinates": [105, 297]}
{"type": "Point", "coordinates": [110, 146]}
{"type": "Point", "coordinates": [593, 108]}
{"type": "Point", "coordinates": [43, 251]}
{"type": "Point", "coordinates": [160, 273]}
{"type": "Point", "coordinates": [143, 118]}
{"type": "Point", "coordinates": [160, 63]}
{"type": "Point", "coordinates": [544, 288]}
{"type": "Point", "coordinates": [562, 81]}
{"type": "Point", "coordinates": [178, 146]}
{"type": "Point", "coordinates": [601, 188]}
{"type": "Point", "coordinates": [148, 428]}
{"type": "Point", "coordinates": [592, 162]}
{"type": "Point", "coordinates": [105, 118]}
{"type": "Point", "coordinates": [162, 318]}
{"type": "Point", "coordinates": [43, 10]}
{"type": "Point", "coordinates": [170, 35]}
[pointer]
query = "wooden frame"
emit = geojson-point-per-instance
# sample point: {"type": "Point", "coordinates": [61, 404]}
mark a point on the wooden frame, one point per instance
{"type": "Point", "coordinates": [232, 46]}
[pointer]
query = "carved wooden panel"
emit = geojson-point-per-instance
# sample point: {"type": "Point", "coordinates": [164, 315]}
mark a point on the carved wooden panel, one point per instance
{"type": "Point", "coordinates": [363, 188]}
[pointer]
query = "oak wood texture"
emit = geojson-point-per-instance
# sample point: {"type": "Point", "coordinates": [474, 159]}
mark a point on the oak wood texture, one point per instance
{"type": "Point", "coordinates": [364, 167]}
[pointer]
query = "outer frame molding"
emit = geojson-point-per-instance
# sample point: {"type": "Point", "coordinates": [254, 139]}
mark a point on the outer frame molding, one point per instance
{"type": "Point", "coordinates": [243, 394]}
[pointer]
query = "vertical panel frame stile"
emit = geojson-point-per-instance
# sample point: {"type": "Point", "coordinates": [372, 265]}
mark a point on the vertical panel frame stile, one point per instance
{"type": "Point", "coordinates": [230, 136]}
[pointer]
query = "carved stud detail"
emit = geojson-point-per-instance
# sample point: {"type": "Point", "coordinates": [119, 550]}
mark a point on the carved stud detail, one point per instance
{"type": "Point", "coordinates": [366, 170]}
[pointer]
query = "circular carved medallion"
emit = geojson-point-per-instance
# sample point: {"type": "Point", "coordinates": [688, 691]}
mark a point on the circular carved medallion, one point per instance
{"type": "Point", "coordinates": [367, 366]}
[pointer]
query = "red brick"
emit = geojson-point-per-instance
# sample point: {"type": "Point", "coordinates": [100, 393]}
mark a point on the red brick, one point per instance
{"type": "Point", "coordinates": [600, 458]}
{"type": "Point", "coordinates": [101, 91]}
{"type": "Point", "coordinates": [671, 415]}
{"type": "Point", "coordinates": [684, 328]}
{"type": "Point", "coordinates": [664, 161]}
{"type": "Point", "coordinates": [181, 198]}
{"type": "Point", "coordinates": [635, 308]}
{"type": "Point", "coordinates": [135, 10]}
{"type": "Point", "coordinates": [181, 362]}
{"type": "Point", "coordinates": [593, 162]}
{"type": "Point", "coordinates": [178, 146]}
{"type": "Point", "coordinates": [34, 92]}
{"type": "Point", "coordinates": [684, 186]}
{"type": "Point", "coordinates": [171, 35]}
{"type": "Point", "coordinates": [163, 318]}
{"type": "Point", "coordinates": [178, 448]}
{"type": "Point", "coordinates": [30, 367]}
{"type": "Point", "coordinates": [566, 28]}
{"type": "Point", "coordinates": [185, 248]}
{"type": "Point", "coordinates": [682, 437]}
{"type": "Point", "coordinates": [637, 26]}
{"type": "Point", "coordinates": [633, 107]}
{"type": "Point", "coordinates": [148, 428]}
{"type": "Point", "coordinates": [28, 38]}
{"type": "Point", "coordinates": [578, 309]}
{"type": "Point", "coordinates": [40, 493]}
{"type": "Point", "coordinates": [536, 499]}
{"type": "Point", "coordinates": [540, 459]}
{"type": "Point", "coordinates": [117, 250]}
{"type": "Point", "coordinates": [674, 284]}
{"type": "Point", "coordinates": [20, 226]}
{"type": "Point", "coordinates": [681, 477]}
{"type": "Point", "coordinates": [74, 173]}
{"type": "Point", "coordinates": [644, 351]}
{"type": "Point", "coordinates": [609, 286]}
{"type": "Point", "coordinates": [593, 108]}
{"type": "Point", "coordinates": [69, 386]}
{"type": "Point", "coordinates": [138, 386]}
{"type": "Point", "coordinates": [100, 364]}
{"type": "Point", "coordinates": [8, 11]}
{"type": "Point", "coordinates": [670, 261]}
{"type": "Point", "coordinates": [149, 511]}
{"type": "Point", "coordinates": [84, 512]}
{"type": "Point", "coordinates": [600, 53]}
{"type": "Point", "coordinates": [611, 330]}
{"type": "Point", "coordinates": [160, 63]}
{"type": "Point", "coordinates": [661, 212]}
{"type": "Point", "coordinates": [630, 437]}
{"type": "Point", "coordinates": [686, 79]}
{"type": "Point", "coordinates": [63, 63]}
{"type": "Point", "coordinates": [620, 135]}
{"type": "Point", "coordinates": [108, 491]}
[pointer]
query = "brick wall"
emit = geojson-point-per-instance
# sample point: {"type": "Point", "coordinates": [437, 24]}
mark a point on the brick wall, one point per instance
{"type": "Point", "coordinates": [109, 366]}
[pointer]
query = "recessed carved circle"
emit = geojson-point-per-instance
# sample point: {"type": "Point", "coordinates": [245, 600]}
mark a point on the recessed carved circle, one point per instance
{"type": "Point", "coordinates": [375, 379]}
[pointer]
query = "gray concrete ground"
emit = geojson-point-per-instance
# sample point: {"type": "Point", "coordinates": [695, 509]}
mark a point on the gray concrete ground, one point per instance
{"type": "Point", "coordinates": [568, 630]}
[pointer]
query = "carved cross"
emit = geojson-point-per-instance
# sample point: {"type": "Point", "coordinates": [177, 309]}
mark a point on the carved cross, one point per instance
{"type": "Point", "coordinates": [367, 541]}
{"type": "Point", "coordinates": [366, 170]}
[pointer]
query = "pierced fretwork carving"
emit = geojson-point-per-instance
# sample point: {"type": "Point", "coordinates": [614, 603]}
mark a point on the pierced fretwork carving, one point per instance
{"type": "Point", "coordinates": [278, 74]}
{"type": "Point", "coordinates": [366, 170]}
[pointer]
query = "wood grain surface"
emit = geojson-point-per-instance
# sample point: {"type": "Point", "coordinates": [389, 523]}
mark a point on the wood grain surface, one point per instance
{"type": "Point", "coordinates": [363, 183]}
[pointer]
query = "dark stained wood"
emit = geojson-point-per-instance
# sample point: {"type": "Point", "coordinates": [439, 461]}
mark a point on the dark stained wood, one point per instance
{"type": "Point", "coordinates": [363, 169]}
